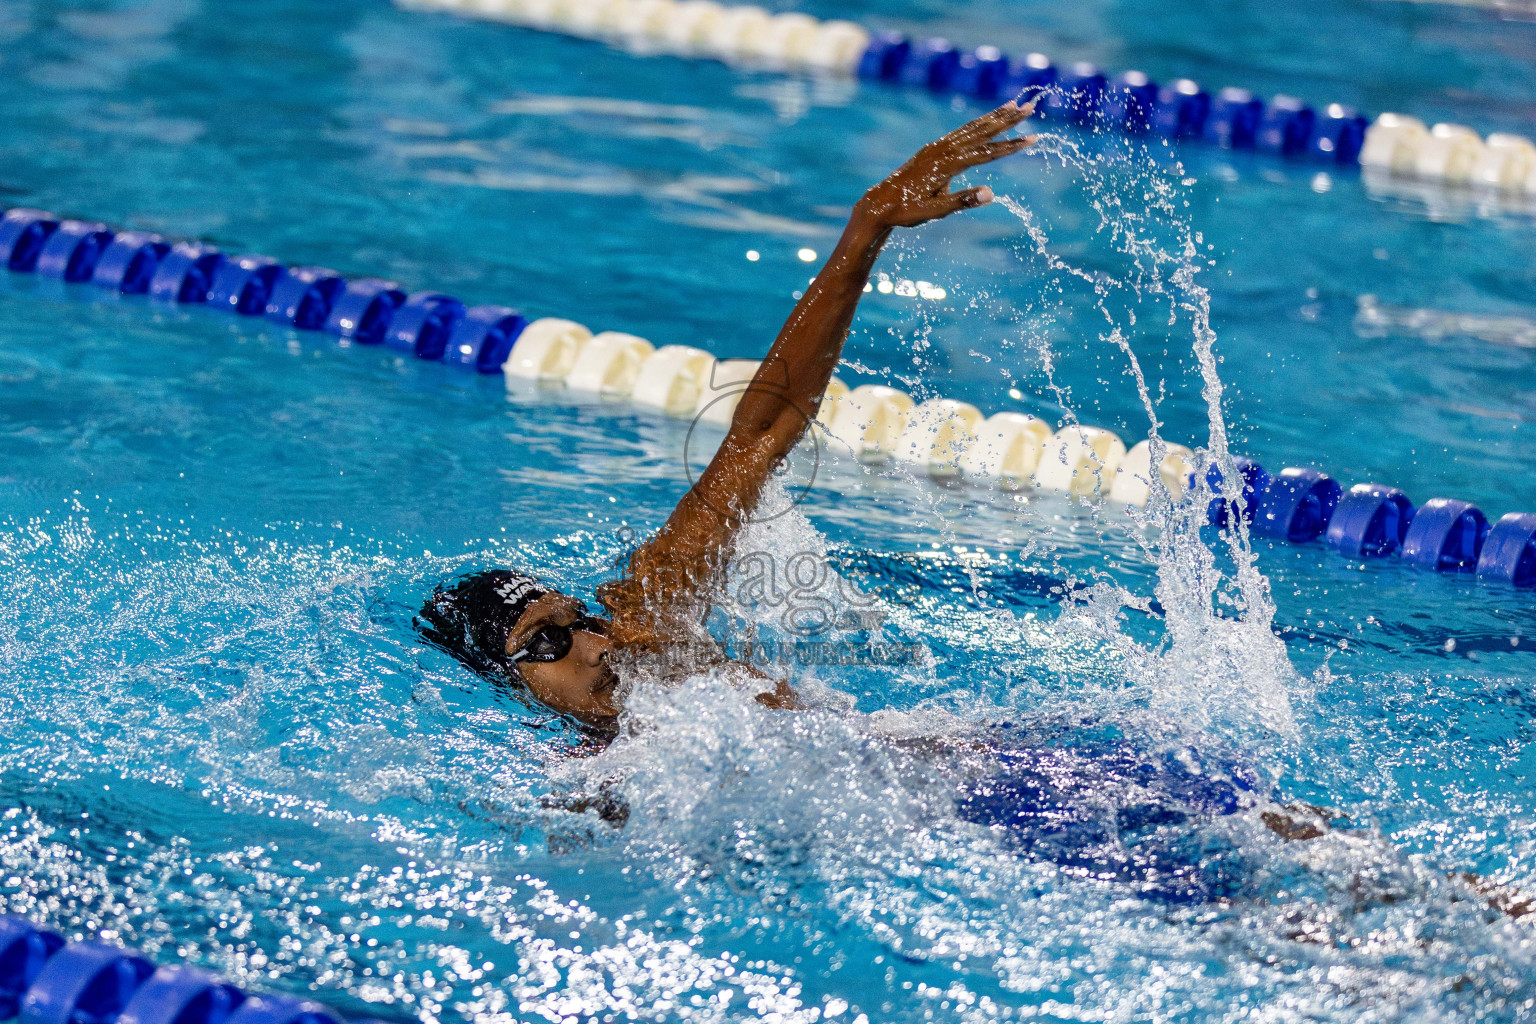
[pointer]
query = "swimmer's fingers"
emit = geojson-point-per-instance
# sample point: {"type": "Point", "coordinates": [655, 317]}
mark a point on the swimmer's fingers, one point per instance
{"type": "Point", "coordinates": [943, 205]}
{"type": "Point", "coordinates": [986, 152]}
{"type": "Point", "coordinates": [984, 127]}
{"type": "Point", "coordinates": [551, 609]}
{"type": "Point", "coordinates": [989, 125]}
{"type": "Point", "coordinates": [566, 611]}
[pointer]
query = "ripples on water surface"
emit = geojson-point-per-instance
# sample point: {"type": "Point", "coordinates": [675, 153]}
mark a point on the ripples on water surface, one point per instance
{"type": "Point", "coordinates": [224, 744]}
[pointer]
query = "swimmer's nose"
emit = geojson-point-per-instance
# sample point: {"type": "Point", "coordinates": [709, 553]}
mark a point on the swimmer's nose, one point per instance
{"type": "Point", "coordinates": [598, 655]}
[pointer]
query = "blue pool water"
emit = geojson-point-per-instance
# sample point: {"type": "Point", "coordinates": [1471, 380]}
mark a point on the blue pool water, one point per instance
{"type": "Point", "coordinates": [225, 746]}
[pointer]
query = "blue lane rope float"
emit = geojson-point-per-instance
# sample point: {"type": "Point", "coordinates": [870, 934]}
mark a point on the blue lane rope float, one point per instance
{"type": "Point", "coordinates": [184, 274]}
{"type": "Point", "coordinates": [24, 950]}
{"type": "Point", "coordinates": [1223, 507]}
{"type": "Point", "coordinates": [84, 982]}
{"type": "Point", "coordinates": [1509, 551]}
{"type": "Point", "coordinates": [1446, 535]}
{"type": "Point", "coordinates": [423, 324]}
{"type": "Point", "coordinates": [128, 264]}
{"type": "Point", "coordinates": [244, 283]}
{"type": "Point", "coordinates": [72, 251]}
{"type": "Point", "coordinates": [304, 296]}
{"type": "Point", "coordinates": [1370, 521]}
{"type": "Point", "coordinates": [364, 309]}
{"type": "Point", "coordinates": [182, 995]}
{"type": "Point", "coordinates": [1296, 505]}
{"type": "Point", "coordinates": [44, 980]}
{"type": "Point", "coordinates": [22, 234]}
{"type": "Point", "coordinates": [483, 338]}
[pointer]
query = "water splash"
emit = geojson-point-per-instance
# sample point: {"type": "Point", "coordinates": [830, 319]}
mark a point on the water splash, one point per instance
{"type": "Point", "coordinates": [1220, 660]}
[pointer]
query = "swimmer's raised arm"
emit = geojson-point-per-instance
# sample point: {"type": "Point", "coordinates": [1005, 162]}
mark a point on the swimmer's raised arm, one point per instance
{"type": "Point", "coordinates": [772, 417]}
{"type": "Point", "coordinates": [786, 394]}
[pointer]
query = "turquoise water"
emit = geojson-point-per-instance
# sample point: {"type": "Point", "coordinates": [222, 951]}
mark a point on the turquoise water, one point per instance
{"type": "Point", "coordinates": [226, 746]}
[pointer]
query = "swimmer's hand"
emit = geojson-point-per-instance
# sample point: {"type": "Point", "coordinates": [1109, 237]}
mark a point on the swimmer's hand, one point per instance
{"type": "Point", "coordinates": [919, 190]}
{"type": "Point", "coordinates": [781, 698]}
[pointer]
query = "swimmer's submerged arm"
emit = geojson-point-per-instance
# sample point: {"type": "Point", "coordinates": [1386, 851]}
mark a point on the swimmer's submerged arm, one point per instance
{"type": "Point", "coordinates": [1303, 822]}
{"type": "Point", "coordinates": [786, 393]}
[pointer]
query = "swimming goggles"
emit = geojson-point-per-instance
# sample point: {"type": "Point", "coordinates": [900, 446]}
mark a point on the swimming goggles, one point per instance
{"type": "Point", "coordinates": [553, 642]}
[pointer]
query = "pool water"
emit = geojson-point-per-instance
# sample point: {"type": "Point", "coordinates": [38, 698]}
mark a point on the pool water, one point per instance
{"type": "Point", "coordinates": [225, 745]}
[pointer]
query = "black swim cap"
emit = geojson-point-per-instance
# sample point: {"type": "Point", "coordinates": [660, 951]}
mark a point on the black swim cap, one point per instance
{"type": "Point", "coordinates": [472, 617]}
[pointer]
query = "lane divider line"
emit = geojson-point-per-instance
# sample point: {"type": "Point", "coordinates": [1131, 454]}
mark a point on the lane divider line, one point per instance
{"type": "Point", "coordinates": [1078, 94]}
{"type": "Point", "coordinates": [872, 423]}
{"type": "Point", "coordinates": [44, 980]}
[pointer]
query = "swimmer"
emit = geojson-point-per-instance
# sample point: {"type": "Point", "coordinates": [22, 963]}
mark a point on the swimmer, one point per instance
{"type": "Point", "coordinates": [508, 625]}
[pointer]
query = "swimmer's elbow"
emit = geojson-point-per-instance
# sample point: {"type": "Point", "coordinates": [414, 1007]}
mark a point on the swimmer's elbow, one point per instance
{"type": "Point", "coordinates": [758, 415]}
{"type": "Point", "coordinates": [766, 434]}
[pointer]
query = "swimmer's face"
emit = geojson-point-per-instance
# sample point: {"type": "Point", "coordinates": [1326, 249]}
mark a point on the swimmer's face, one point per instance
{"type": "Point", "coordinates": [580, 684]}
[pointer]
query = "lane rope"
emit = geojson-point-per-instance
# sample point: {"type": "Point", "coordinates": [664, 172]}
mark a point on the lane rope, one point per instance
{"type": "Point", "coordinates": [45, 980]}
{"type": "Point", "coordinates": [942, 438]}
{"type": "Point", "coordinates": [1081, 93]}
